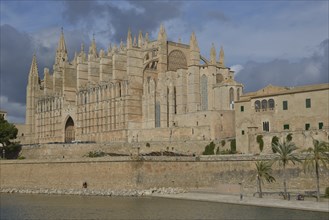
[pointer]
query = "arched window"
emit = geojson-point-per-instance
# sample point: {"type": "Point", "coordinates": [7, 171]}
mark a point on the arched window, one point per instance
{"type": "Point", "coordinates": [238, 94]}
{"type": "Point", "coordinates": [257, 105]}
{"type": "Point", "coordinates": [157, 114]}
{"type": "Point", "coordinates": [271, 104]}
{"type": "Point", "coordinates": [231, 98]}
{"type": "Point", "coordinates": [119, 89]}
{"type": "Point", "coordinates": [167, 107]}
{"type": "Point", "coordinates": [264, 105]}
{"type": "Point", "coordinates": [175, 101]}
{"type": "Point", "coordinates": [204, 93]}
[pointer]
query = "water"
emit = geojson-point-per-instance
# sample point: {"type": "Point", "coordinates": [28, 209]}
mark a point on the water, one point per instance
{"type": "Point", "coordinates": [26, 206]}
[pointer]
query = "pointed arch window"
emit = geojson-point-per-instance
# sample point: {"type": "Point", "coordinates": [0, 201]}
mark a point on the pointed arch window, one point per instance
{"type": "Point", "coordinates": [271, 104]}
{"type": "Point", "coordinates": [167, 107]}
{"type": "Point", "coordinates": [157, 114]}
{"type": "Point", "coordinates": [257, 106]}
{"type": "Point", "coordinates": [175, 101]}
{"type": "Point", "coordinates": [238, 94]}
{"type": "Point", "coordinates": [264, 105]}
{"type": "Point", "coordinates": [204, 93]}
{"type": "Point", "coordinates": [231, 98]}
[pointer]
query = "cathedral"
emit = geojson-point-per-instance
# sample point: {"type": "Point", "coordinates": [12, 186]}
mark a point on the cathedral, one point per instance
{"type": "Point", "coordinates": [142, 91]}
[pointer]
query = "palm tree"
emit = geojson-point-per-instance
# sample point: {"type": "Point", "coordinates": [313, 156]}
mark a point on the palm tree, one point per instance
{"type": "Point", "coordinates": [284, 153]}
{"type": "Point", "coordinates": [317, 155]}
{"type": "Point", "coordinates": [264, 170]}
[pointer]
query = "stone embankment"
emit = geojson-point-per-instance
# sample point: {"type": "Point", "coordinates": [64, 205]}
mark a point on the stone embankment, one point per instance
{"type": "Point", "coordinates": [91, 192]}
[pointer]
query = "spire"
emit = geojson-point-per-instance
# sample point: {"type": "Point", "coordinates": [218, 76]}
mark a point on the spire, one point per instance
{"type": "Point", "coordinates": [194, 51]}
{"type": "Point", "coordinates": [109, 50]}
{"type": "Point", "coordinates": [194, 43]}
{"type": "Point", "coordinates": [121, 45]}
{"type": "Point", "coordinates": [129, 39]}
{"type": "Point", "coordinates": [101, 53]}
{"type": "Point", "coordinates": [135, 41]}
{"type": "Point", "coordinates": [140, 39]}
{"type": "Point", "coordinates": [34, 67]}
{"type": "Point", "coordinates": [82, 55]}
{"type": "Point", "coordinates": [213, 54]}
{"type": "Point", "coordinates": [61, 44]}
{"type": "Point", "coordinates": [162, 36]}
{"type": "Point", "coordinates": [221, 57]}
{"type": "Point", "coordinates": [147, 37]}
{"type": "Point", "coordinates": [61, 52]}
{"type": "Point", "coordinates": [93, 48]}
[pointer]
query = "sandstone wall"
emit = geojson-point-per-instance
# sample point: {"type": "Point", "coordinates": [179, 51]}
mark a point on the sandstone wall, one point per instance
{"type": "Point", "coordinates": [125, 173]}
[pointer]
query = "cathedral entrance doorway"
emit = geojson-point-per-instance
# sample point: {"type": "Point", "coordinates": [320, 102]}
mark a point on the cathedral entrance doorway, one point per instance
{"type": "Point", "coordinates": [69, 130]}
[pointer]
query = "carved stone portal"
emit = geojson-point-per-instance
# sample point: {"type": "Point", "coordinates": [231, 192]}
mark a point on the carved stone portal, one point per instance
{"type": "Point", "coordinates": [69, 130]}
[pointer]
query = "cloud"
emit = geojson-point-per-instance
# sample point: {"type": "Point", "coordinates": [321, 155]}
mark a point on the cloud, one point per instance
{"type": "Point", "coordinates": [111, 20]}
{"type": "Point", "coordinates": [282, 72]}
{"type": "Point", "coordinates": [236, 68]}
{"type": "Point", "coordinates": [15, 111]}
{"type": "Point", "coordinates": [16, 49]}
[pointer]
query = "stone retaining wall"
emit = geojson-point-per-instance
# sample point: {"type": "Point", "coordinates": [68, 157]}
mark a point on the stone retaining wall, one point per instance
{"type": "Point", "coordinates": [118, 173]}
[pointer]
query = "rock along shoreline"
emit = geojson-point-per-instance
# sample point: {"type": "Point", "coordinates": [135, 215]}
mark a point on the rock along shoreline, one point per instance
{"type": "Point", "coordinates": [94, 192]}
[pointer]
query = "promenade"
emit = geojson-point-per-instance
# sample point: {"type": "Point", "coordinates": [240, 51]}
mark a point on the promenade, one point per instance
{"type": "Point", "coordinates": [208, 196]}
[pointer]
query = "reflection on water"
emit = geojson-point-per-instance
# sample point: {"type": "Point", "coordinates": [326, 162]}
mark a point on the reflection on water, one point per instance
{"type": "Point", "coordinates": [21, 206]}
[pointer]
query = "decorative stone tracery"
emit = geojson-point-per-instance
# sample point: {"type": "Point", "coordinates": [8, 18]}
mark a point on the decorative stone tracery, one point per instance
{"type": "Point", "coordinates": [176, 60]}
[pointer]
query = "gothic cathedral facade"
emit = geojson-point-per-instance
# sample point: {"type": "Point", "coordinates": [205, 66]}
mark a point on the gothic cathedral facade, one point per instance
{"type": "Point", "coordinates": [144, 90]}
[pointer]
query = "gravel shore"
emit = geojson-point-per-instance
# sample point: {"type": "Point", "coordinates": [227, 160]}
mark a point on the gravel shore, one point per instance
{"type": "Point", "coordinates": [91, 192]}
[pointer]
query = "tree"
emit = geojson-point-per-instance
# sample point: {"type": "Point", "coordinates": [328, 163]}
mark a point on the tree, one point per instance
{"type": "Point", "coordinates": [275, 140]}
{"type": "Point", "coordinates": [285, 154]}
{"type": "Point", "coordinates": [260, 142]}
{"type": "Point", "coordinates": [289, 137]}
{"type": "Point", "coordinates": [8, 133]}
{"type": "Point", "coordinates": [319, 154]}
{"type": "Point", "coordinates": [264, 170]}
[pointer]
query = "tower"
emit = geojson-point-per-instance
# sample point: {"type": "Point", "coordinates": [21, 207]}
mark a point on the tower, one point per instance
{"type": "Point", "coordinates": [32, 91]}
{"type": "Point", "coordinates": [193, 94]}
{"type": "Point", "coordinates": [162, 41]}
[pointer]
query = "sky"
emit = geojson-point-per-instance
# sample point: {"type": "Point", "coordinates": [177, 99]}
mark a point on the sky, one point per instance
{"type": "Point", "coordinates": [283, 43]}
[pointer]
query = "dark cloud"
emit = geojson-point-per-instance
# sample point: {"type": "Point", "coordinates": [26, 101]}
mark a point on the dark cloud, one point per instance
{"type": "Point", "coordinates": [141, 15]}
{"type": "Point", "coordinates": [16, 51]}
{"type": "Point", "coordinates": [217, 15]}
{"type": "Point", "coordinates": [281, 72]}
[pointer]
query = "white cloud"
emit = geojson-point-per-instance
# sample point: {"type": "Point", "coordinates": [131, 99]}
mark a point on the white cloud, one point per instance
{"type": "Point", "coordinates": [236, 68]}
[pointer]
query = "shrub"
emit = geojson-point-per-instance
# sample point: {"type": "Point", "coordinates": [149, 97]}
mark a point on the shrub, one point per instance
{"type": "Point", "coordinates": [275, 141]}
{"type": "Point", "coordinates": [96, 154]}
{"type": "Point", "coordinates": [233, 146]}
{"type": "Point", "coordinates": [11, 151]}
{"type": "Point", "coordinates": [223, 143]}
{"type": "Point", "coordinates": [21, 157]}
{"type": "Point", "coordinates": [209, 149]}
{"type": "Point", "coordinates": [260, 142]}
{"type": "Point", "coordinates": [289, 137]}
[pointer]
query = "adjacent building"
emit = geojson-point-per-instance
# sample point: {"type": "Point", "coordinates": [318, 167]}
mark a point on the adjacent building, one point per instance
{"type": "Point", "coordinates": [302, 112]}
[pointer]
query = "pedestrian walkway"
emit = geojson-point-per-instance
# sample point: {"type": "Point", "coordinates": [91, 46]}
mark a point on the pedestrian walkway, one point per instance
{"type": "Point", "coordinates": [248, 200]}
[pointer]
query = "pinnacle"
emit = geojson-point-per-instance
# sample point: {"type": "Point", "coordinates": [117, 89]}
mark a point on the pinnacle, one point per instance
{"type": "Point", "coordinates": [34, 66]}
